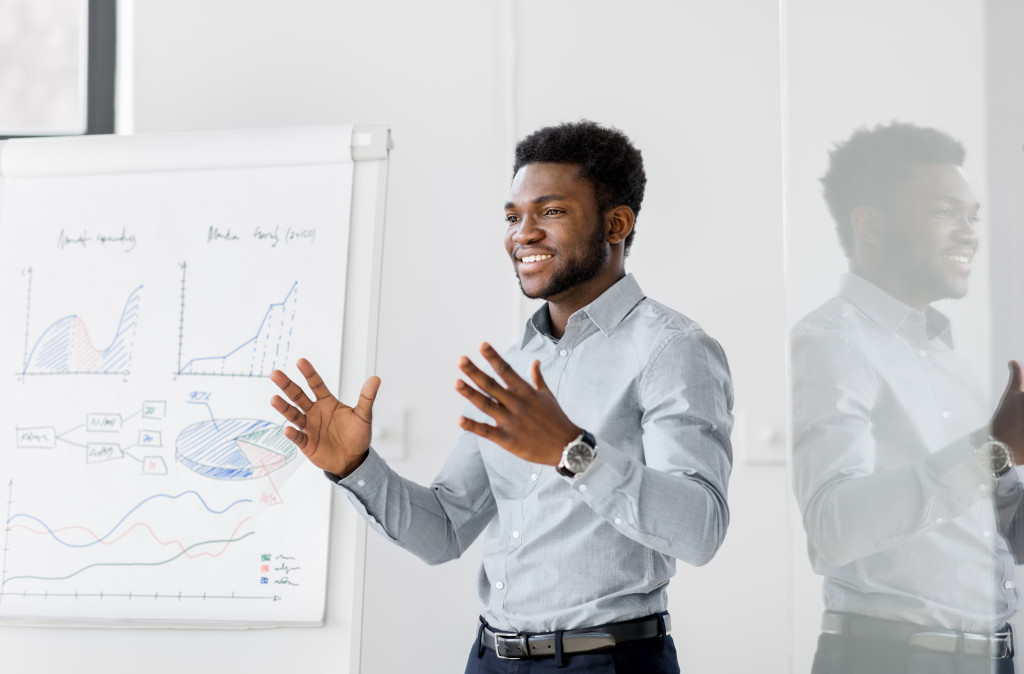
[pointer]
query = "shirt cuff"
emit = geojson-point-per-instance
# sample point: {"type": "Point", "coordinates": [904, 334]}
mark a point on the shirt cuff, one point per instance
{"type": "Point", "coordinates": [958, 468]}
{"type": "Point", "coordinates": [367, 478]}
{"type": "Point", "coordinates": [603, 476]}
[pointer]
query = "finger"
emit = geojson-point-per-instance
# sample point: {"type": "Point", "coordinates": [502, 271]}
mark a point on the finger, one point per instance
{"type": "Point", "coordinates": [507, 373]}
{"type": "Point", "coordinates": [292, 390]}
{"type": "Point", "coordinates": [485, 404]}
{"type": "Point", "coordinates": [296, 436]}
{"type": "Point", "coordinates": [316, 383]}
{"type": "Point", "coordinates": [483, 430]}
{"type": "Point", "coordinates": [538, 378]}
{"type": "Point", "coordinates": [484, 381]}
{"type": "Point", "coordinates": [288, 412]}
{"type": "Point", "coordinates": [364, 408]}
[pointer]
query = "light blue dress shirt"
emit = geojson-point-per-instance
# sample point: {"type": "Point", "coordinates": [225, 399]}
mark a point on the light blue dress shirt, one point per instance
{"type": "Point", "coordinates": [559, 553]}
{"type": "Point", "coordinates": [902, 520]}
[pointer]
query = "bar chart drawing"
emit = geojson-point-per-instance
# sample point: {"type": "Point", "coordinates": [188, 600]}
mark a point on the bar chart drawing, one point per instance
{"type": "Point", "coordinates": [257, 356]}
{"type": "Point", "coordinates": [66, 346]}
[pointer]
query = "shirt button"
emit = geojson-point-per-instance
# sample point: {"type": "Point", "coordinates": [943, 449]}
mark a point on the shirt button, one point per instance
{"type": "Point", "coordinates": [939, 520]}
{"type": "Point", "coordinates": [583, 487]}
{"type": "Point", "coordinates": [360, 483]}
{"type": "Point", "coordinates": [988, 534]}
{"type": "Point", "coordinates": [922, 352]}
{"type": "Point", "coordinates": [947, 414]}
{"type": "Point", "coordinates": [563, 353]}
{"type": "Point", "coordinates": [983, 488]}
{"type": "Point", "coordinates": [533, 477]}
{"type": "Point", "coordinates": [515, 534]}
{"type": "Point", "coordinates": [1009, 585]}
{"type": "Point", "coordinates": [618, 521]}
{"type": "Point", "coordinates": [500, 585]}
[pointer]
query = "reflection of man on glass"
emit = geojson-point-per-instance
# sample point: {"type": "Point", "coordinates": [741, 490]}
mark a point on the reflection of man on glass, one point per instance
{"type": "Point", "coordinates": [902, 471]}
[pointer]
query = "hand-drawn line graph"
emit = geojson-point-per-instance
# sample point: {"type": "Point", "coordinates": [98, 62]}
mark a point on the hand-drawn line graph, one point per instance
{"type": "Point", "coordinates": [257, 356]}
{"type": "Point", "coordinates": [66, 347]}
{"type": "Point", "coordinates": [73, 551]}
{"type": "Point", "coordinates": [234, 449]}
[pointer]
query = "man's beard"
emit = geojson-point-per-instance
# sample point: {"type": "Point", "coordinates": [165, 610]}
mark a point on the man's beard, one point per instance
{"type": "Point", "coordinates": [579, 268]}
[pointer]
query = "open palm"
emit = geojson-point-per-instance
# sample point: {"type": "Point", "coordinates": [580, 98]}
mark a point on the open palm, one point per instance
{"type": "Point", "coordinates": [334, 436]}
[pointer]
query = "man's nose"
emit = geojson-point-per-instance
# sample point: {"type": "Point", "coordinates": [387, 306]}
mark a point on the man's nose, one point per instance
{"type": "Point", "coordinates": [966, 231]}
{"type": "Point", "coordinates": [527, 231]}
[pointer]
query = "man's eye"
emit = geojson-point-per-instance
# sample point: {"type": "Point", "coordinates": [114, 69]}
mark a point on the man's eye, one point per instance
{"type": "Point", "coordinates": [511, 219]}
{"type": "Point", "coordinates": [942, 212]}
{"type": "Point", "coordinates": [552, 211]}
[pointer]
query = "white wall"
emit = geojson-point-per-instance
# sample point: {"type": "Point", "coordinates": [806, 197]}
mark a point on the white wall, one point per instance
{"type": "Point", "coordinates": [697, 85]}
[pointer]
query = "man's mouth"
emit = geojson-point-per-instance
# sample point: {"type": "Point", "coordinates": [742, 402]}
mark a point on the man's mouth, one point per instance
{"type": "Point", "coordinates": [534, 258]}
{"type": "Point", "coordinates": [960, 260]}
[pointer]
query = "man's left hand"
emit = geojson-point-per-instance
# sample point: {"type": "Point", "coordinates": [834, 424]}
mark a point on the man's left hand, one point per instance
{"type": "Point", "coordinates": [528, 421]}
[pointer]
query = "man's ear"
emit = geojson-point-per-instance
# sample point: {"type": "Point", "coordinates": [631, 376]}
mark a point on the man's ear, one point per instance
{"type": "Point", "coordinates": [619, 223]}
{"type": "Point", "coordinates": [868, 224]}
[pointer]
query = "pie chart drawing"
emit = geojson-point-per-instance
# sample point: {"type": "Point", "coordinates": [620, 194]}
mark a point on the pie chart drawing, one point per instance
{"type": "Point", "coordinates": [234, 449]}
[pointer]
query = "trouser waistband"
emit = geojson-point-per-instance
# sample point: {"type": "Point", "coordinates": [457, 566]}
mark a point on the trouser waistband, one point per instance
{"type": "Point", "coordinates": [519, 646]}
{"type": "Point", "coordinates": [996, 645]}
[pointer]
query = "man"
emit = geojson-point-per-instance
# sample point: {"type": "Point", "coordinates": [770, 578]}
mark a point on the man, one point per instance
{"type": "Point", "coordinates": [599, 454]}
{"type": "Point", "coordinates": [902, 472]}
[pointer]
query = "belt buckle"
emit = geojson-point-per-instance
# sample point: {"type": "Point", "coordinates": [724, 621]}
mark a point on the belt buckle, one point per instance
{"type": "Point", "coordinates": [501, 647]}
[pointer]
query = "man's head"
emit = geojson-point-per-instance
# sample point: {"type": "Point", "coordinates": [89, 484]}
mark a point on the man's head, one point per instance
{"type": "Point", "coordinates": [904, 211]}
{"type": "Point", "coordinates": [575, 193]}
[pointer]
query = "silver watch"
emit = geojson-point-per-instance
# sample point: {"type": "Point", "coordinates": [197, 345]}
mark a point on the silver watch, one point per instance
{"type": "Point", "coordinates": [995, 457]}
{"type": "Point", "coordinates": [578, 455]}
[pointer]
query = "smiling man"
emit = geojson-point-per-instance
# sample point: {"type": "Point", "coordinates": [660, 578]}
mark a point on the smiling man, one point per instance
{"type": "Point", "coordinates": [903, 473]}
{"type": "Point", "coordinates": [596, 452]}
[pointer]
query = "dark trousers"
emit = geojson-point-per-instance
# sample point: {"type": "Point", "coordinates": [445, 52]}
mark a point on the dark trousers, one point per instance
{"type": "Point", "coordinates": [645, 656]}
{"type": "Point", "coordinates": [844, 654]}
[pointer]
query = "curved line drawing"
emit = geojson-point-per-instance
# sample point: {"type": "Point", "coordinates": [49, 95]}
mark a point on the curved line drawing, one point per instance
{"type": "Point", "coordinates": [121, 521]}
{"type": "Point", "coordinates": [234, 449]}
{"type": "Point", "coordinates": [226, 542]}
{"type": "Point", "coordinates": [144, 525]}
{"type": "Point", "coordinates": [65, 346]}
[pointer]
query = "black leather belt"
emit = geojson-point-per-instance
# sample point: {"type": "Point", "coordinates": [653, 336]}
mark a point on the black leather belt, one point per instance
{"type": "Point", "coordinates": [519, 646]}
{"type": "Point", "coordinates": [997, 645]}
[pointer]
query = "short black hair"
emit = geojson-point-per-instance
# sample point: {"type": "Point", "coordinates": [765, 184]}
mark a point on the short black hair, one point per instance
{"type": "Point", "coordinates": [606, 158]}
{"type": "Point", "coordinates": [870, 167]}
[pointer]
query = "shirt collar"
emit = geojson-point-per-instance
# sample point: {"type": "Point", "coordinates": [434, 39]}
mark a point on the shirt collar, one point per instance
{"type": "Point", "coordinates": [888, 312]}
{"type": "Point", "coordinates": [606, 312]}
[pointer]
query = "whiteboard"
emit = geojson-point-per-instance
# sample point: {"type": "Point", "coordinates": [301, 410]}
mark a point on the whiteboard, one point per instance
{"type": "Point", "coordinates": [150, 285]}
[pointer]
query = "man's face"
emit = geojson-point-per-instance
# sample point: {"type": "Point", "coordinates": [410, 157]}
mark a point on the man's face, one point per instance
{"type": "Point", "coordinates": [930, 237]}
{"type": "Point", "coordinates": [555, 234]}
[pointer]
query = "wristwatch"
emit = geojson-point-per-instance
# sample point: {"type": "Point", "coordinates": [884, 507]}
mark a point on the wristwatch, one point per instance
{"type": "Point", "coordinates": [994, 456]}
{"type": "Point", "coordinates": [578, 455]}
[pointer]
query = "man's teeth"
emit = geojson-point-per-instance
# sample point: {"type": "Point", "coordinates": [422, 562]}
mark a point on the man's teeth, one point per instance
{"type": "Point", "coordinates": [962, 259]}
{"type": "Point", "coordinates": [535, 258]}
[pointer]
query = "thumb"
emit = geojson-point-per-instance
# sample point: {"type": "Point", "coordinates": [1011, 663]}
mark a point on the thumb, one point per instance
{"type": "Point", "coordinates": [1016, 379]}
{"type": "Point", "coordinates": [367, 394]}
{"type": "Point", "coordinates": [538, 378]}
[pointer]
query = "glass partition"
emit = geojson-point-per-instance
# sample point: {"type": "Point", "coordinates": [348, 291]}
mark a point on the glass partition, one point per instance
{"type": "Point", "coordinates": [902, 234]}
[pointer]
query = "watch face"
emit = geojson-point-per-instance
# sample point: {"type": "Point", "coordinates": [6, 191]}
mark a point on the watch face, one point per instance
{"type": "Point", "coordinates": [997, 455]}
{"type": "Point", "coordinates": [579, 456]}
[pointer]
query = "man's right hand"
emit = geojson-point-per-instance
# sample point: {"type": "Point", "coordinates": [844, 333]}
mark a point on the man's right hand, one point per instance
{"type": "Point", "coordinates": [334, 436]}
